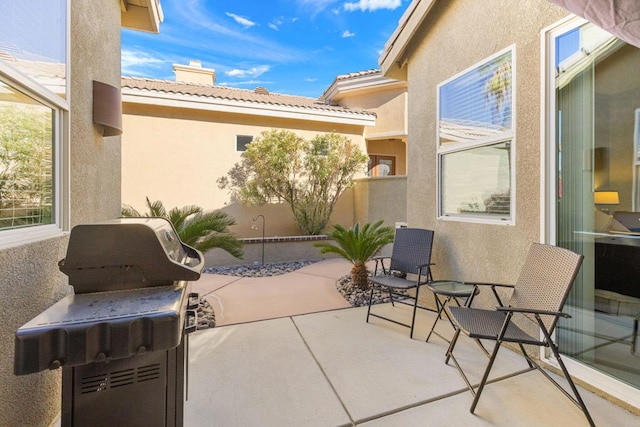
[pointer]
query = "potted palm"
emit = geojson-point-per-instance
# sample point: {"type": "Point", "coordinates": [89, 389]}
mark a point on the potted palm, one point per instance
{"type": "Point", "coordinates": [358, 245]}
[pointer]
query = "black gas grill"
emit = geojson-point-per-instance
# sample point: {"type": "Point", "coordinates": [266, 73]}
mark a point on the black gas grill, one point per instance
{"type": "Point", "coordinates": [120, 339]}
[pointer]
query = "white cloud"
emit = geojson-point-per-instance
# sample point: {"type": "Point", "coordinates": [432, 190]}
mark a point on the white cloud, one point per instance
{"type": "Point", "coordinates": [241, 20]}
{"type": "Point", "coordinates": [314, 7]}
{"type": "Point", "coordinates": [252, 72]}
{"type": "Point", "coordinates": [276, 23]}
{"type": "Point", "coordinates": [372, 5]}
{"type": "Point", "coordinates": [133, 60]}
{"type": "Point", "coordinates": [347, 34]}
{"type": "Point", "coordinates": [253, 83]}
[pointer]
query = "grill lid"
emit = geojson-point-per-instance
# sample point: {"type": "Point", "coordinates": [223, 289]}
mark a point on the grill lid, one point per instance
{"type": "Point", "coordinates": [130, 278]}
{"type": "Point", "coordinates": [128, 253]}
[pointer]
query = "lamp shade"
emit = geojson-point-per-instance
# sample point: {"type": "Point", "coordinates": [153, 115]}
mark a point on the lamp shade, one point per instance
{"type": "Point", "coordinates": [606, 198]}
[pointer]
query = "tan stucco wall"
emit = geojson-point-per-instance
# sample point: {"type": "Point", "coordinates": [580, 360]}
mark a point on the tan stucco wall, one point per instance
{"type": "Point", "coordinates": [29, 277]}
{"type": "Point", "coordinates": [390, 106]}
{"type": "Point", "coordinates": [388, 136]}
{"type": "Point", "coordinates": [382, 198]}
{"type": "Point", "coordinates": [176, 156]}
{"type": "Point", "coordinates": [450, 40]}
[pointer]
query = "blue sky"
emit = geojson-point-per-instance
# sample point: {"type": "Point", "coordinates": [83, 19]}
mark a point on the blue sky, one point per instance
{"type": "Point", "coordinates": [296, 47]}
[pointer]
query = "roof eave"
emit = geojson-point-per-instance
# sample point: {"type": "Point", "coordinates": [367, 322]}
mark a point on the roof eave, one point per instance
{"type": "Point", "coordinates": [393, 58]}
{"type": "Point", "coordinates": [145, 16]}
{"type": "Point", "coordinates": [355, 85]}
{"type": "Point", "coordinates": [145, 97]}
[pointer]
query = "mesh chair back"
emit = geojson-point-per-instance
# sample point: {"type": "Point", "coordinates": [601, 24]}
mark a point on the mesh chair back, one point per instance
{"type": "Point", "coordinates": [545, 280]}
{"type": "Point", "coordinates": [411, 247]}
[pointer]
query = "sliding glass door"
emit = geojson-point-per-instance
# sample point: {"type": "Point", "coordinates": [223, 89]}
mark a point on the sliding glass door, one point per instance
{"type": "Point", "coordinates": [596, 168]}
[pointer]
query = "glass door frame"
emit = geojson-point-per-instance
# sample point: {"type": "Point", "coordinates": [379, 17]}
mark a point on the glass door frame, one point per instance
{"type": "Point", "coordinates": [548, 192]}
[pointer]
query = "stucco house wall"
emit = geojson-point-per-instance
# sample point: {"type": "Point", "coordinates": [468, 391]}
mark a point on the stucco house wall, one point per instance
{"type": "Point", "coordinates": [29, 277]}
{"type": "Point", "coordinates": [176, 155]}
{"type": "Point", "coordinates": [439, 50]}
{"type": "Point", "coordinates": [385, 97]}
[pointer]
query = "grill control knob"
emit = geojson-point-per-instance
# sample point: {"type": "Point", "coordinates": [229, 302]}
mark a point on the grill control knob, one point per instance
{"type": "Point", "coordinates": [142, 350]}
{"type": "Point", "coordinates": [55, 365]}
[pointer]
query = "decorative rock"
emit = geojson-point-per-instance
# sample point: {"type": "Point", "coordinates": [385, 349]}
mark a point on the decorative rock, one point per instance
{"type": "Point", "coordinates": [206, 316]}
{"type": "Point", "coordinates": [259, 270]}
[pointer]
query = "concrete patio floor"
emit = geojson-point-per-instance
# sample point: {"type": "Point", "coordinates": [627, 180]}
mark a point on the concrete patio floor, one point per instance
{"type": "Point", "coordinates": [331, 368]}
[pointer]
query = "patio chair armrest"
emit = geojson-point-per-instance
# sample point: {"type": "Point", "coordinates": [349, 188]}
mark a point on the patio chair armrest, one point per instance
{"type": "Point", "coordinates": [380, 259]}
{"type": "Point", "coordinates": [493, 287]}
{"type": "Point", "coordinates": [534, 311]}
{"type": "Point", "coordinates": [421, 266]}
{"type": "Point", "coordinates": [428, 275]}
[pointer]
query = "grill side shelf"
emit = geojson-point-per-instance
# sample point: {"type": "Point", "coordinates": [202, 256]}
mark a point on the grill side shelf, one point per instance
{"type": "Point", "coordinates": [78, 329]}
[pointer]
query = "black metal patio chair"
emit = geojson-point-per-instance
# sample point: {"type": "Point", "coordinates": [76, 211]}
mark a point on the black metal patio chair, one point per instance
{"type": "Point", "coordinates": [411, 255]}
{"type": "Point", "coordinates": [538, 297]}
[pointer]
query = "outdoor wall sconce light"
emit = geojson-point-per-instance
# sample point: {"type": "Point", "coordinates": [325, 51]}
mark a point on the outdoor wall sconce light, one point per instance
{"type": "Point", "coordinates": [606, 198]}
{"type": "Point", "coordinates": [107, 108]}
{"type": "Point", "coordinates": [255, 227]}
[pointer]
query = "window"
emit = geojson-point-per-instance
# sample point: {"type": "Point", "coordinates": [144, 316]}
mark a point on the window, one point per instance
{"type": "Point", "coordinates": [475, 141]}
{"type": "Point", "coordinates": [242, 141]}
{"type": "Point", "coordinates": [33, 117]}
{"type": "Point", "coordinates": [381, 165]}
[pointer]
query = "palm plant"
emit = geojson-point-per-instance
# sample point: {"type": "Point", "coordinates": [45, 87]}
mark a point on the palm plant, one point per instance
{"type": "Point", "coordinates": [358, 245]}
{"type": "Point", "coordinates": [197, 228]}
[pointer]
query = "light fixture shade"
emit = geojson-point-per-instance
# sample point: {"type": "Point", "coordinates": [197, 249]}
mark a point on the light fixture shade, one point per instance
{"type": "Point", "coordinates": [107, 108]}
{"type": "Point", "coordinates": [606, 198]}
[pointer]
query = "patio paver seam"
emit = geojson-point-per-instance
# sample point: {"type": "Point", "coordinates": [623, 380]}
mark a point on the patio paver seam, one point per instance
{"type": "Point", "coordinates": [410, 406]}
{"type": "Point", "coordinates": [221, 287]}
{"type": "Point", "coordinates": [326, 377]}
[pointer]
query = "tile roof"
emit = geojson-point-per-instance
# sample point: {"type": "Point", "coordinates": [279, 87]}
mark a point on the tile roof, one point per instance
{"type": "Point", "coordinates": [371, 72]}
{"type": "Point", "coordinates": [257, 96]}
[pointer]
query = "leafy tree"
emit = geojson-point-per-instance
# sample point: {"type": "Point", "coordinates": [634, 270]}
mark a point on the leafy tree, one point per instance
{"type": "Point", "coordinates": [26, 168]}
{"type": "Point", "coordinates": [309, 175]}
{"type": "Point", "coordinates": [358, 245]}
{"type": "Point", "coordinates": [197, 228]}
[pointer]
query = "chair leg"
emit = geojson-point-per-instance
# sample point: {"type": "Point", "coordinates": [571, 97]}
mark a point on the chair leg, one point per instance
{"type": "Point", "coordinates": [415, 307]}
{"type": "Point", "coordinates": [576, 398]}
{"type": "Point", "coordinates": [451, 357]}
{"type": "Point", "coordinates": [634, 338]}
{"type": "Point", "coordinates": [370, 299]}
{"type": "Point", "coordinates": [485, 376]}
{"type": "Point", "coordinates": [452, 344]}
{"type": "Point", "coordinates": [391, 297]}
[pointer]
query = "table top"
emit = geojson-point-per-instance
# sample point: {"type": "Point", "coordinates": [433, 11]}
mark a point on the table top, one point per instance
{"type": "Point", "coordinates": [451, 288]}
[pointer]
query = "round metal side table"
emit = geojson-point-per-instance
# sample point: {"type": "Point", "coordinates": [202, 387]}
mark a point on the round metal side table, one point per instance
{"type": "Point", "coordinates": [445, 291]}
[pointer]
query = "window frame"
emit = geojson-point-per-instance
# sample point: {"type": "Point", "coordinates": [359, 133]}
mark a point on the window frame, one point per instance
{"type": "Point", "coordinates": [508, 136]}
{"type": "Point", "coordinates": [375, 161]}
{"type": "Point", "coordinates": [61, 125]}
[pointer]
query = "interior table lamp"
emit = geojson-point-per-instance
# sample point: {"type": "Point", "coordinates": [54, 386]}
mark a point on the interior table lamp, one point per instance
{"type": "Point", "coordinates": [606, 198]}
